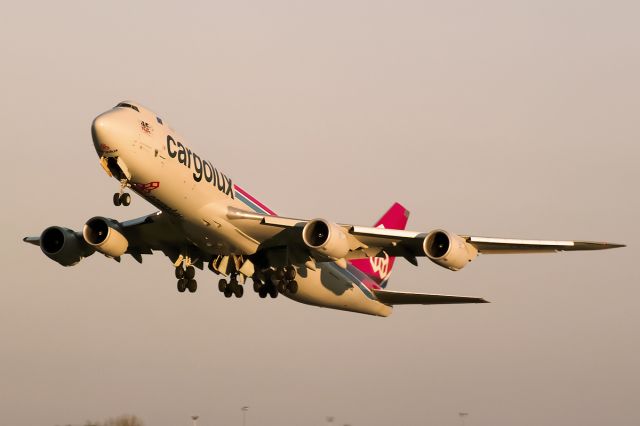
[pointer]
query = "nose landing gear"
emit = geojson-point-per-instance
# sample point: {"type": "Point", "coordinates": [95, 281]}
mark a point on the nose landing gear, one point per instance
{"type": "Point", "coordinates": [122, 198]}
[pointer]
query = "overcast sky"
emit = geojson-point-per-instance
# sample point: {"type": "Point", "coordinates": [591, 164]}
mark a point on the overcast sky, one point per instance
{"type": "Point", "coordinates": [498, 118]}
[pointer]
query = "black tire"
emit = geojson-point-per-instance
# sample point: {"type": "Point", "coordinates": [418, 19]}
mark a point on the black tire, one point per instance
{"type": "Point", "coordinates": [228, 292]}
{"type": "Point", "coordinates": [238, 290]}
{"type": "Point", "coordinates": [273, 292]}
{"type": "Point", "coordinates": [282, 286]}
{"type": "Point", "coordinates": [290, 274]}
{"type": "Point", "coordinates": [125, 199]}
{"type": "Point", "coordinates": [222, 285]}
{"type": "Point", "coordinates": [293, 286]}
{"type": "Point", "coordinates": [190, 272]}
{"type": "Point", "coordinates": [278, 274]}
{"type": "Point", "coordinates": [182, 285]}
{"type": "Point", "coordinates": [179, 272]}
{"type": "Point", "coordinates": [257, 285]}
{"type": "Point", "coordinates": [116, 199]}
{"type": "Point", "coordinates": [263, 292]}
{"type": "Point", "coordinates": [192, 285]}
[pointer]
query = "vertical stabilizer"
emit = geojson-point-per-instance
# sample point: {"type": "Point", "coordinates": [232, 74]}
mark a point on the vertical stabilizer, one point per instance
{"type": "Point", "coordinates": [379, 268]}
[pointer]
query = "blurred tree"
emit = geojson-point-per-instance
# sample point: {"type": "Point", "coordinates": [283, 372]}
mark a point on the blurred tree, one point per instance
{"type": "Point", "coordinates": [124, 420]}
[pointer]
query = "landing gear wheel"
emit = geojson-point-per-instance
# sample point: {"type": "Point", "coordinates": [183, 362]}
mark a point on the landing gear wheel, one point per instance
{"type": "Point", "coordinates": [192, 285]}
{"type": "Point", "coordinates": [257, 285]}
{"type": "Point", "coordinates": [273, 292]}
{"type": "Point", "coordinates": [116, 199]}
{"type": "Point", "coordinates": [290, 273]}
{"type": "Point", "coordinates": [190, 272]}
{"type": "Point", "coordinates": [222, 285]}
{"type": "Point", "coordinates": [292, 286]}
{"type": "Point", "coordinates": [282, 286]}
{"type": "Point", "coordinates": [182, 285]}
{"type": "Point", "coordinates": [238, 290]}
{"type": "Point", "coordinates": [228, 292]}
{"type": "Point", "coordinates": [179, 272]}
{"type": "Point", "coordinates": [278, 274]}
{"type": "Point", "coordinates": [125, 199]}
{"type": "Point", "coordinates": [263, 292]}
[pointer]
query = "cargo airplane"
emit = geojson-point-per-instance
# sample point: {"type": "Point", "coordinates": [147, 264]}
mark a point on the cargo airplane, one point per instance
{"type": "Point", "coordinates": [205, 220]}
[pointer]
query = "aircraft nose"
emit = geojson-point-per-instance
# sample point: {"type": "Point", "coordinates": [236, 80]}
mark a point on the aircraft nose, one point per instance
{"type": "Point", "coordinates": [104, 132]}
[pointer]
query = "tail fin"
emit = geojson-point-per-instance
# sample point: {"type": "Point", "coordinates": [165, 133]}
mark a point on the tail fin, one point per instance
{"type": "Point", "coordinates": [379, 268]}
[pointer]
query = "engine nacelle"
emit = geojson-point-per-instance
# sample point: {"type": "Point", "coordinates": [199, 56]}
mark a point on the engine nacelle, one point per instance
{"type": "Point", "coordinates": [63, 246]}
{"type": "Point", "coordinates": [326, 239]}
{"type": "Point", "coordinates": [448, 249]}
{"type": "Point", "coordinates": [103, 235]}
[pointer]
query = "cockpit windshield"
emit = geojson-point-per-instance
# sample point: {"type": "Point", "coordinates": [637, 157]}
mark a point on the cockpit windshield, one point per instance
{"type": "Point", "coordinates": [126, 105]}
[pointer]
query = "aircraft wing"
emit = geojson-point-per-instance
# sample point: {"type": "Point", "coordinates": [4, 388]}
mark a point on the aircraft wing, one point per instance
{"type": "Point", "coordinates": [370, 242]}
{"type": "Point", "coordinates": [486, 245]}
{"type": "Point", "coordinates": [145, 234]}
{"type": "Point", "coordinates": [152, 232]}
{"type": "Point", "coordinates": [404, 298]}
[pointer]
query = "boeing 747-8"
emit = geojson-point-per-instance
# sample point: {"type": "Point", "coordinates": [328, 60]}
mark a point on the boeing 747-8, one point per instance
{"type": "Point", "coordinates": [205, 220]}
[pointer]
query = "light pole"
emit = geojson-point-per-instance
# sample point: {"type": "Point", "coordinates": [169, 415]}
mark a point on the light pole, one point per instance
{"type": "Point", "coordinates": [462, 416]}
{"type": "Point", "coordinates": [195, 420]}
{"type": "Point", "coordinates": [244, 415]}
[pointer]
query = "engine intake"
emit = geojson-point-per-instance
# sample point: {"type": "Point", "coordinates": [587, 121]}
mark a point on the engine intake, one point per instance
{"type": "Point", "coordinates": [326, 239]}
{"type": "Point", "coordinates": [64, 246]}
{"type": "Point", "coordinates": [103, 234]}
{"type": "Point", "coordinates": [448, 250]}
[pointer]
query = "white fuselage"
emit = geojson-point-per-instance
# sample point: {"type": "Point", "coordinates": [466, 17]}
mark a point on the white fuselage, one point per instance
{"type": "Point", "coordinates": [197, 195]}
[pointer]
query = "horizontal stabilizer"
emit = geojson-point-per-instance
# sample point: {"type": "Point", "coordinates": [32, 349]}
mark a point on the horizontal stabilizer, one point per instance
{"type": "Point", "coordinates": [404, 298]}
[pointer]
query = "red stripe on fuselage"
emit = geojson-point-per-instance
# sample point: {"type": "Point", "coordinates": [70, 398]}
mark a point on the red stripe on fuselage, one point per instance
{"type": "Point", "coordinates": [253, 199]}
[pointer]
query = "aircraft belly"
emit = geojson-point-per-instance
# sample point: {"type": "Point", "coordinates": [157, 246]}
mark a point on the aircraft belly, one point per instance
{"type": "Point", "coordinates": [327, 288]}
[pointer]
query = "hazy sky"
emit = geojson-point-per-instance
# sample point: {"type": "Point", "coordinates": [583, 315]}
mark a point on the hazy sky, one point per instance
{"type": "Point", "coordinates": [501, 118]}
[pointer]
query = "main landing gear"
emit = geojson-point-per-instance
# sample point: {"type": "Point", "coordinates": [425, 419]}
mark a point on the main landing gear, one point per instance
{"type": "Point", "coordinates": [266, 288]}
{"type": "Point", "coordinates": [285, 279]}
{"type": "Point", "coordinates": [122, 198]}
{"type": "Point", "coordinates": [186, 279]}
{"type": "Point", "coordinates": [231, 288]}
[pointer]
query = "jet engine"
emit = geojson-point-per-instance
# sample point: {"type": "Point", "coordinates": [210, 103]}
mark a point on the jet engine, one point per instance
{"type": "Point", "coordinates": [448, 250]}
{"type": "Point", "coordinates": [104, 235]}
{"type": "Point", "coordinates": [326, 239]}
{"type": "Point", "coordinates": [63, 246]}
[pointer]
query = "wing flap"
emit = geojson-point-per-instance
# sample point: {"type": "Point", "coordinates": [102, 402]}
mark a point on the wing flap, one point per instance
{"type": "Point", "coordinates": [405, 298]}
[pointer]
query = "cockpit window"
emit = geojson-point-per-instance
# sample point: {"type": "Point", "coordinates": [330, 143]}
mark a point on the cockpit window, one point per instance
{"type": "Point", "coordinates": [126, 105]}
{"type": "Point", "coordinates": [159, 120]}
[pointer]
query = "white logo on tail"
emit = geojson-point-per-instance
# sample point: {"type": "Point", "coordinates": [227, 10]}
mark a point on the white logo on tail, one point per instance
{"type": "Point", "coordinates": [380, 265]}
